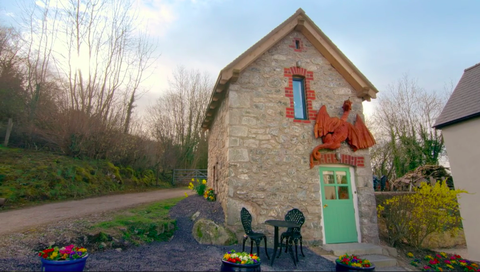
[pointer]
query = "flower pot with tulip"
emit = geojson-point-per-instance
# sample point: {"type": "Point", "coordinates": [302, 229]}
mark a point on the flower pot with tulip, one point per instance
{"type": "Point", "coordinates": [68, 258]}
{"type": "Point", "coordinates": [240, 261]}
{"type": "Point", "coordinates": [352, 262]}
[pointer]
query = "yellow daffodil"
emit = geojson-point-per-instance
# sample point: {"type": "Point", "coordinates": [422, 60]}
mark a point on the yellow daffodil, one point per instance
{"type": "Point", "coordinates": [410, 254]}
{"type": "Point", "coordinates": [186, 195]}
{"type": "Point", "coordinates": [204, 182]}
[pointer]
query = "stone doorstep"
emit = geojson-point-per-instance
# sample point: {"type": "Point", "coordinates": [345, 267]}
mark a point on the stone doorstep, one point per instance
{"type": "Point", "coordinates": [393, 268]}
{"type": "Point", "coordinates": [380, 260]}
{"type": "Point", "coordinates": [376, 254]}
{"type": "Point", "coordinates": [384, 262]}
{"type": "Point", "coordinates": [353, 248]}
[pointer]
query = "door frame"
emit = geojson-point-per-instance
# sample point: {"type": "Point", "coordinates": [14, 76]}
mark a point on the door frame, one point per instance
{"type": "Point", "coordinates": [354, 194]}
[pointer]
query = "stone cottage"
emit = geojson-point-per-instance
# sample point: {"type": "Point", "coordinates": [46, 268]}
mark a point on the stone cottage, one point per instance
{"type": "Point", "coordinates": [260, 123]}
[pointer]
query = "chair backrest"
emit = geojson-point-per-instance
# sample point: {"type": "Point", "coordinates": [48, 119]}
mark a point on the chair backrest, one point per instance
{"type": "Point", "coordinates": [246, 218]}
{"type": "Point", "coordinates": [296, 216]}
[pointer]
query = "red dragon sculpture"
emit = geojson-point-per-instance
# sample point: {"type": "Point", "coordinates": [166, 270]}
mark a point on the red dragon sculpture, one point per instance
{"type": "Point", "coordinates": [334, 131]}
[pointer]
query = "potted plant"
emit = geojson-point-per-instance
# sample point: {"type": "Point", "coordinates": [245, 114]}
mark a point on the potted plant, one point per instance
{"type": "Point", "coordinates": [68, 258]}
{"type": "Point", "coordinates": [240, 261]}
{"type": "Point", "coordinates": [353, 263]}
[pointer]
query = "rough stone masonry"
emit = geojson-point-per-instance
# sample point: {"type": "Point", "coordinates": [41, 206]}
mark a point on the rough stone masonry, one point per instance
{"type": "Point", "coordinates": [259, 154]}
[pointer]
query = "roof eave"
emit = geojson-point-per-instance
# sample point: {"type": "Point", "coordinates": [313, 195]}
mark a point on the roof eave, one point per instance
{"type": "Point", "coordinates": [302, 23]}
{"type": "Point", "coordinates": [456, 121]}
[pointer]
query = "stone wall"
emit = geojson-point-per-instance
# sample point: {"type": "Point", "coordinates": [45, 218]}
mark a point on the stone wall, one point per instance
{"type": "Point", "coordinates": [265, 153]}
{"type": "Point", "coordinates": [217, 153]}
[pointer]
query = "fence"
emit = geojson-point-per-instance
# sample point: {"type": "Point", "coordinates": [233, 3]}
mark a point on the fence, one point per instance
{"type": "Point", "coordinates": [184, 176]}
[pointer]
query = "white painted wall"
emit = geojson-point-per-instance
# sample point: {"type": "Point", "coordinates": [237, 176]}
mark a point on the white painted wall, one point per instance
{"type": "Point", "coordinates": [462, 142]}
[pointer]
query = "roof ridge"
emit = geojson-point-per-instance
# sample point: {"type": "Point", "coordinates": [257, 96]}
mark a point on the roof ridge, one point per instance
{"type": "Point", "coordinates": [469, 68]}
{"type": "Point", "coordinates": [300, 11]}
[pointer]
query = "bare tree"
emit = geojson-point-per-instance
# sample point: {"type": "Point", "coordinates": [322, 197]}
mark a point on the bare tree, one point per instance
{"type": "Point", "coordinates": [402, 124]}
{"type": "Point", "coordinates": [12, 96]}
{"type": "Point", "coordinates": [175, 120]}
{"type": "Point", "coordinates": [100, 58]}
{"type": "Point", "coordinates": [106, 55]}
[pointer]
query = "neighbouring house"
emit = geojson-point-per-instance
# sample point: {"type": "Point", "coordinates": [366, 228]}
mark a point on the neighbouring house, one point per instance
{"type": "Point", "coordinates": [460, 125]}
{"type": "Point", "coordinates": [260, 121]}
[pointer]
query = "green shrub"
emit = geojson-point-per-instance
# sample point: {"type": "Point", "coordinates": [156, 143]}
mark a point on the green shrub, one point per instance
{"type": "Point", "coordinates": [199, 187]}
{"type": "Point", "coordinates": [411, 218]}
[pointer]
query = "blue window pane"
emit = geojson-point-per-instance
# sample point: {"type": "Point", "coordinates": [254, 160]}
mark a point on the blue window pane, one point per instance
{"type": "Point", "coordinates": [298, 99]}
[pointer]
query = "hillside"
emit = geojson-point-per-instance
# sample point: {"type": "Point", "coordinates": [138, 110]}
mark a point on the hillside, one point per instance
{"type": "Point", "coordinates": [31, 177]}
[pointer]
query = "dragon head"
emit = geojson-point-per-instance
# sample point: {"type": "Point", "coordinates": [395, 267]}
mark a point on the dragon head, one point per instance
{"type": "Point", "coordinates": [347, 105]}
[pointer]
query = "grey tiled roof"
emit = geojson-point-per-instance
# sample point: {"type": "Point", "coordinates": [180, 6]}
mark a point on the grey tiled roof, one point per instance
{"type": "Point", "coordinates": [464, 103]}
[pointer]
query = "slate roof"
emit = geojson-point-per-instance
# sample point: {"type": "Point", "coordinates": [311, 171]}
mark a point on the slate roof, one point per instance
{"type": "Point", "coordinates": [464, 103]}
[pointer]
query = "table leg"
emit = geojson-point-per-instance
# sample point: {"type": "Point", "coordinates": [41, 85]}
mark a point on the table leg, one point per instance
{"type": "Point", "coordinates": [275, 245]}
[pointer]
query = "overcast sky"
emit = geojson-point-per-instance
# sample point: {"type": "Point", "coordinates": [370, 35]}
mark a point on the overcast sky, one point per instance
{"type": "Point", "coordinates": [432, 41]}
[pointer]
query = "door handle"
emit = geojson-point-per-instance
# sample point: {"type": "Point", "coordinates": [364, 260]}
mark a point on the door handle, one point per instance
{"type": "Point", "coordinates": [324, 206]}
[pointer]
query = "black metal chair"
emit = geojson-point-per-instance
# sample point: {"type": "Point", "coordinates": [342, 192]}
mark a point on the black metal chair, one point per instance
{"type": "Point", "coordinates": [293, 235]}
{"type": "Point", "coordinates": [249, 233]}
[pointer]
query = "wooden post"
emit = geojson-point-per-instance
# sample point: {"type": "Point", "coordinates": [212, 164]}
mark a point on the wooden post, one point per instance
{"type": "Point", "coordinates": [9, 130]}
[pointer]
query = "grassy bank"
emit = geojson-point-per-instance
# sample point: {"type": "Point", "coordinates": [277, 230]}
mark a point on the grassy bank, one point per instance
{"type": "Point", "coordinates": [29, 177]}
{"type": "Point", "coordinates": [143, 224]}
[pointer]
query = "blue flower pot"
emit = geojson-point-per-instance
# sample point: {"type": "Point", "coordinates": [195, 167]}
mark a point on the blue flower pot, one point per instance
{"type": "Point", "coordinates": [343, 267]}
{"type": "Point", "coordinates": [228, 266]}
{"type": "Point", "coordinates": [71, 265]}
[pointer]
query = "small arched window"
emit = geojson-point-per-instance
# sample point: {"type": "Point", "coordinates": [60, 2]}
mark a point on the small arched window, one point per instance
{"type": "Point", "coordinates": [299, 105]}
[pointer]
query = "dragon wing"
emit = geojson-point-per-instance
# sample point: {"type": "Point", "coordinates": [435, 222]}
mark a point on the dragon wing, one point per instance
{"type": "Point", "coordinates": [325, 124]}
{"type": "Point", "coordinates": [359, 136]}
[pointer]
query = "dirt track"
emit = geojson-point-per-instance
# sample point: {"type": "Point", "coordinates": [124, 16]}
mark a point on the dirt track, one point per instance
{"type": "Point", "coordinates": [17, 220]}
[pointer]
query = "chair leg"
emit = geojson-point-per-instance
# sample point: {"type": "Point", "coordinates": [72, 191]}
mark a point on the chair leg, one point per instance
{"type": "Point", "coordinates": [286, 243]}
{"type": "Point", "coordinates": [296, 251]}
{"type": "Point", "coordinates": [257, 242]}
{"type": "Point", "coordinates": [244, 240]}
{"type": "Point", "coordinates": [251, 245]}
{"type": "Point", "coordinates": [289, 247]}
{"type": "Point", "coordinates": [266, 252]}
{"type": "Point", "coordinates": [301, 247]}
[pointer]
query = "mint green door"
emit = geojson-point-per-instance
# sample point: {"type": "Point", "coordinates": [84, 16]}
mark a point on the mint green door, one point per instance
{"type": "Point", "coordinates": [337, 205]}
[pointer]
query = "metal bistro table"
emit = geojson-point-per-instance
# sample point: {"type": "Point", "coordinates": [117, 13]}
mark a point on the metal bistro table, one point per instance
{"type": "Point", "coordinates": [283, 224]}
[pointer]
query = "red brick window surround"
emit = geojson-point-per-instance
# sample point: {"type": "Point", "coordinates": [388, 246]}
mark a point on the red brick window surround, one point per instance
{"type": "Point", "coordinates": [290, 73]}
{"type": "Point", "coordinates": [297, 45]}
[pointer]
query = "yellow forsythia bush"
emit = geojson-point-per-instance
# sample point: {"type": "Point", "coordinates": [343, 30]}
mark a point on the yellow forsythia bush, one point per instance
{"type": "Point", "coordinates": [411, 218]}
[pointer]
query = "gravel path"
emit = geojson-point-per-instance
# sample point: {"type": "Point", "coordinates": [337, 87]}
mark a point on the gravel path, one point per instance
{"type": "Point", "coordinates": [181, 253]}
{"type": "Point", "coordinates": [17, 220]}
